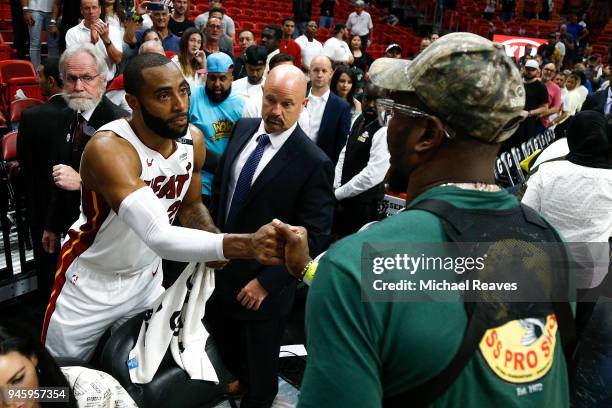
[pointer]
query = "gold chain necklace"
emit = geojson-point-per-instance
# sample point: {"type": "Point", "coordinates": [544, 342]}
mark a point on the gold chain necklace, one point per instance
{"type": "Point", "coordinates": [478, 186]}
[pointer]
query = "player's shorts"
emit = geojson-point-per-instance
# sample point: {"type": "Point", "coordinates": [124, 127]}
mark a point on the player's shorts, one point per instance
{"type": "Point", "coordinates": [85, 303]}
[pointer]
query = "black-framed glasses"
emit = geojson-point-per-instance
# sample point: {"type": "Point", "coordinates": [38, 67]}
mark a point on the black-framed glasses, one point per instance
{"type": "Point", "coordinates": [386, 108]}
{"type": "Point", "coordinates": [86, 79]}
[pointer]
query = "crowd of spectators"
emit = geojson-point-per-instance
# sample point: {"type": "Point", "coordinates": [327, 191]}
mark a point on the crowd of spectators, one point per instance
{"type": "Point", "coordinates": [315, 108]}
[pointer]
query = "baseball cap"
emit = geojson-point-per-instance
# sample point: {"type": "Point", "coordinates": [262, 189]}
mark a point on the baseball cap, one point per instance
{"type": "Point", "coordinates": [256, 55]}
{"type": "Point", "coordinates": [583, 24]}
{"type": "Point", "coordinates": [391, 46]}
{"type": "Point", "coordinates": [219, 62]}
{"type": "Point", "coordinates": [465, 80]}
{"type": "Point", "coordinates": [360, 3]}
{"type": "Point", "coordinates": [532, 64]}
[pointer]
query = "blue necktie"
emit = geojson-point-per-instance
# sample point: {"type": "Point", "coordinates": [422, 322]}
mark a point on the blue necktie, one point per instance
{"type": "Point", "coordinates": [243, 185]}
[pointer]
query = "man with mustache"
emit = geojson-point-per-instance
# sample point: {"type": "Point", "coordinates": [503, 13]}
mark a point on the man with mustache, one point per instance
{"type": "Point", "coordinates": [270, 169]}
{"type": "Point", "coordinates": [84, 71]}
{"type": "Point", "coordinates": [137, 177]}
{"type": "Point", "coordinates": [214, 109]}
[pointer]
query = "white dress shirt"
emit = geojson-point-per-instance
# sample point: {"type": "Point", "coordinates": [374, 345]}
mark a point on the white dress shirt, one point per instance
{"type": "Point", "coordinates": [270, 55]}
{"type": "Point", "coordinates": [556, 149]}
{"type": "Point", "coordinates": [337, 51]}
{"type": "Point", "coordinates": [80, 34]}
{"type": "Point", "coordinates": [372, 174]}
{"type": "Point", "coordinates": [277, 140]}
{"type": "Point", "coordinates": [608, 107]}
{"type": "Point", "coordinates": [316, 107]}
{"type": "Point", "coordinates": [247, 90]}
{"type": "Point", "coordinates": [577, 201]}
{"type": "Point", "coordinates": [575, 99]}
{"type": "Point", "coordinates": [583, 92]}
{"type": "Point", "coordinates": [252, 109]}
{"type": "Point", "coordinates": [87, 114]}
{"type": "Point", "coordinates": [359, 24]}
{"type": "Point", "coordinates": [310, 49]}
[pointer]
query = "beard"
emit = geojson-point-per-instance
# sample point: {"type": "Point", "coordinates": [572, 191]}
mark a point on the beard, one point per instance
{"type": "Point", "coordinates": [82, 101]}
{"type": "Point", "coordinates": [370, 114]}
{"type": "Point", "coordinates": [254, 80]}
{"type": "Point", "coordinates": [161, 127]}
{"type": "Point", "coordinates": [217, 98]}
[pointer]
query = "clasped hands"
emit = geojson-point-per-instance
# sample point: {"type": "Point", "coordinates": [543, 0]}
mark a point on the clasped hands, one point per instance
{"type": "Point", "coordinates": [275, 243]}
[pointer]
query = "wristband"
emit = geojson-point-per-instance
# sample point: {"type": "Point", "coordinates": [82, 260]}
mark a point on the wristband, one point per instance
{"type": "Point", "coordinates": [309, 271]}
{"type": "Point", "coordinates": [52, 22]}
{"type": "Point", "coordinates": [106, 44]}
{"type": "Point", "coordinates": [26, 8]}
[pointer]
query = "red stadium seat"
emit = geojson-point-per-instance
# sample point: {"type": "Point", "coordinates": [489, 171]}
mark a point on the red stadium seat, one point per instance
{"type": "Point", "coordinates": [248, 13]}
{"type": "Point", "coordinates": [18, 106]}
{"type": "Point", "coordinates": [11, 69]}
{"type": "Point", "coordinates": [29, 85]}
{"type": "Point", "coordinates": [9, 146]}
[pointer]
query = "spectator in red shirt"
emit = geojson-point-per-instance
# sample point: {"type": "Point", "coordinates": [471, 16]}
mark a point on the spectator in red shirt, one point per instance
{"type": "Point", "coordinates": [287, 44]}
{"type": "Point", "coordinates": [554, 93]}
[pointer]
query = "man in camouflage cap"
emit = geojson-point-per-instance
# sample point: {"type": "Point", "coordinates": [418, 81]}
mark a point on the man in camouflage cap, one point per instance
{"type": "Point", "coordinates": [465, 80]}
{"type": "Point", "coordinates": [449, 110]}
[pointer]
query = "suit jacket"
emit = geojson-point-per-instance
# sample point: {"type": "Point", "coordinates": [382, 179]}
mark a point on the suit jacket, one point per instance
{"type": "Point", "coordinates": [35, 146]}
{"type": "Point", "coordinates": [64, 206]}
{"type": "Point", "coordinates": [296, 186]}
{"type": "Point", "coordinates": [596, 101]}
{"type": "Point", "coordinates": [335, 126]}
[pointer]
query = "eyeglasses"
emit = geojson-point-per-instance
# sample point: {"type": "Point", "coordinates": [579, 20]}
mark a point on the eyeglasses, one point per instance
{"type": "Point", "coordinates": [86, 79]}
{"type": "Point", "coordinates": [386, 108]}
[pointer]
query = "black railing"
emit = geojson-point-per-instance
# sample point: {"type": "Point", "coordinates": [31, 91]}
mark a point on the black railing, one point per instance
{"type": "Point", "coordinates": [16, 238]}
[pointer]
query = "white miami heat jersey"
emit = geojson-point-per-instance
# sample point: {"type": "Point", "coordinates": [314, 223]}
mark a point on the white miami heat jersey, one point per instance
{"type": "Point", "coordinates": [99, 238]}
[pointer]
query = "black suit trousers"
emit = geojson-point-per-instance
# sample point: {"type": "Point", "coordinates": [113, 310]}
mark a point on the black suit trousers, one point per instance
{"type": "Point", "coordinates": [45, 263]}
{"type": "Point", "coordinates": [249, 349]}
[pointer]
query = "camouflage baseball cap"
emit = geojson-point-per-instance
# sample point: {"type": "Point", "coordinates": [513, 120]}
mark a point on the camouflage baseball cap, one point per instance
{"type": "Point", "coordinates": [465, 80]}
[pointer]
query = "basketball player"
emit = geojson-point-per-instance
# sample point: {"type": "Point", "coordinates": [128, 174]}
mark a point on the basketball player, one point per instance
{"type": "Point", "coordinates": [137, 176]}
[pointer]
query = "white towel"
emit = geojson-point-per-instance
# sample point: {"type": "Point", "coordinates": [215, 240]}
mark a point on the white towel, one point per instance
{"type": "Point", "coordinates": [176, 321]}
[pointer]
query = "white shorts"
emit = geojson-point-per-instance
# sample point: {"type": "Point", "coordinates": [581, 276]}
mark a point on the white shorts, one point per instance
{"type": "Point", "coordinates": [86, 302]}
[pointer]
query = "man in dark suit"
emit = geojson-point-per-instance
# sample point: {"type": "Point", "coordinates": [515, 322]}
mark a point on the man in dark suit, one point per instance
{"type": "Point", "coordinates": [600, 101]}
{"type": "Point", "coordinates": [35, 142]}
{"type": "Point", "coordinates": [330, 116]}
{"type": "Point", "coordinates": [269, 170]}
{"type": "Point", "coordinates": [84, 73]}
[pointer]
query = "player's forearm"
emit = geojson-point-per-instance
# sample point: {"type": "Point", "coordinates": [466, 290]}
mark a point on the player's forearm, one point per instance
{"type": "Point", "coordinates": [238, 246]}
{"type": "Point", "coordinates": [197, 216]}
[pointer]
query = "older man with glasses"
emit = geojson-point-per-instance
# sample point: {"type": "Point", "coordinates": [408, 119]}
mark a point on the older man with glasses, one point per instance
{"type": "Point", "coordinates": [215, 40]}
{"type": "Point", "coordinates": [84, 72]}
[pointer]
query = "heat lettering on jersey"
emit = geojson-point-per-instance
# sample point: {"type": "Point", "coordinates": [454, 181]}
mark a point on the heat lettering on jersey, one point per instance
{"type": "Point", "coordinates": [169, 187]}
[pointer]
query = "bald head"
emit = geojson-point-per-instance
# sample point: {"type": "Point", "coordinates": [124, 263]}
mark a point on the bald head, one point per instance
{"type": "Point", "coordinates": [322, 60]}
{"type": "Point", "coordinates": [548, 71]}
{"type": "Point", "coordinates": [321, 71]}
{"type": "Point", "coordinates": [152, 46]}
{"type": "Point", "coordinates": [284, 97]}
{"type": "Point", "coordinates": [289, 76]}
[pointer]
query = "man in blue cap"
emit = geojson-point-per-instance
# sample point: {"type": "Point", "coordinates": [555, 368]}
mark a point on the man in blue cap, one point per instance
{"type": "Point", "coordinates": [214, 109]}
